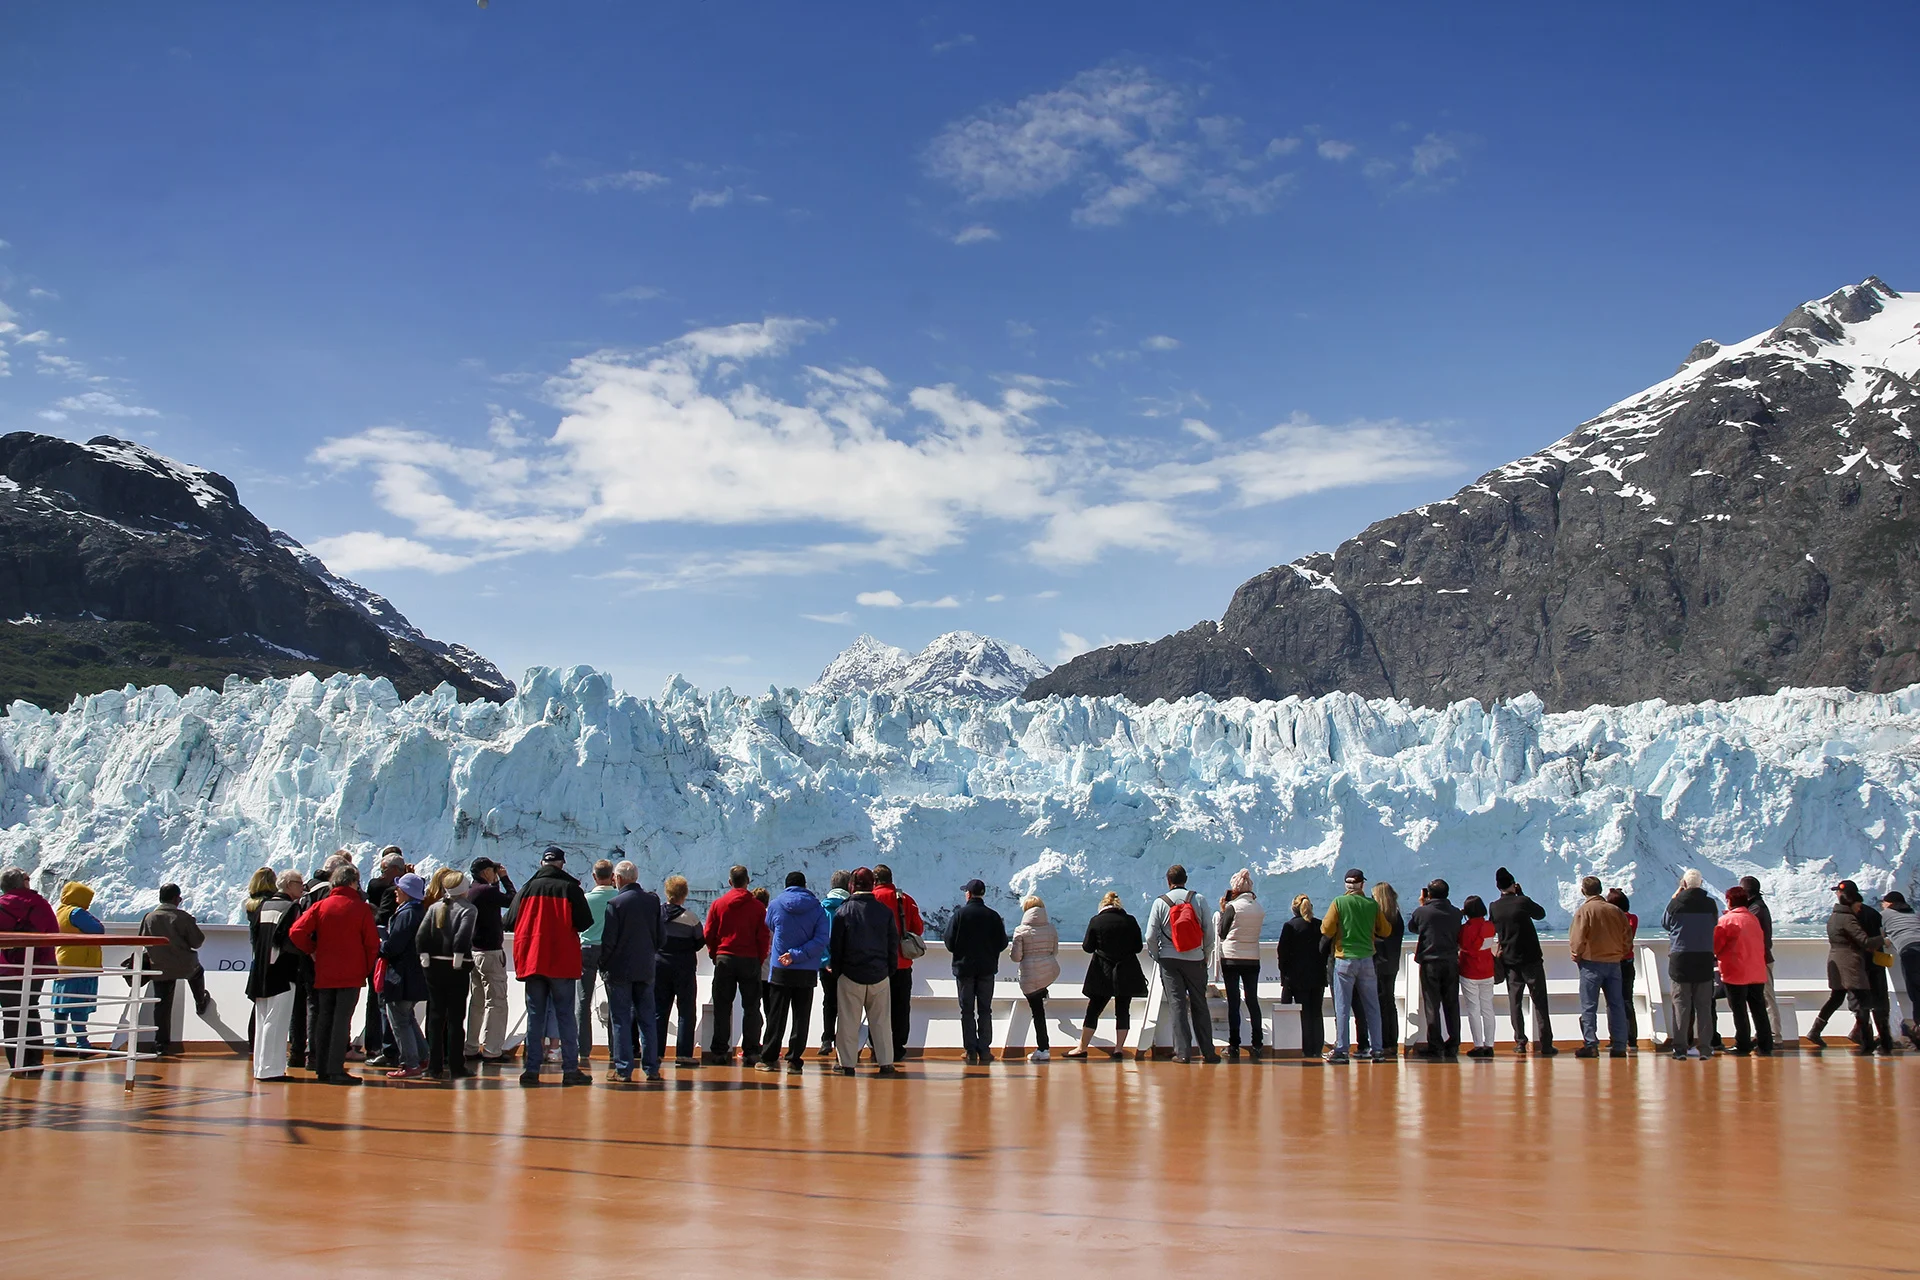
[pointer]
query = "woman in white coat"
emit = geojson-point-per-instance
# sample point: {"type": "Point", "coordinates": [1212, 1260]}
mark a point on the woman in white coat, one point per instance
{"type": "Point", "coordinates": [1238, 923]}
{"type": "Point", "coordinates": [1036, 949]}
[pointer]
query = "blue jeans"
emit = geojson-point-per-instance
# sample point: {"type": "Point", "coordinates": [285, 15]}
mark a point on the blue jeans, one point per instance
{"type": "Point", "coordinates": [1598, 976]}
{"type": "Point", "coordinates": [1352, 977]}
{"type": "Point", "coordinates": [406, 1031]}
{"type": "Point", "coordinates": [73, 1004]}
{"type": "Point", "coordinates": [628, 1003]}
{"type": "Point", "coordinates": [551, 997]}
{"type": "Point", "coordinates": [976, 1014]}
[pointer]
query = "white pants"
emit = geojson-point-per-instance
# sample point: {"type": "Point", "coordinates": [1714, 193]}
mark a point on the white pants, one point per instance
{"type": "Point", "coordinates": [1476, 994]}
{"type": "Point", "coordinates": [1773, 1010]}
{"type": "Point", "coordinates": [876, 1001]}
{"type": "Point", "coordinates": [487, 1007]}
{"type": "Point", "coordinates": [272, 1019]}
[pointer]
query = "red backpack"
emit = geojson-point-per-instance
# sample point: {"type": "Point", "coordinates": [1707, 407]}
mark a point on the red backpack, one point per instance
{"type": "Point", "coordinates": [1183, 923]}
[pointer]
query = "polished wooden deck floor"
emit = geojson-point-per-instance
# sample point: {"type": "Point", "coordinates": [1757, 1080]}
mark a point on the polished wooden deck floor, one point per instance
{"type": "Point", "coordinates": [1799, 1165]}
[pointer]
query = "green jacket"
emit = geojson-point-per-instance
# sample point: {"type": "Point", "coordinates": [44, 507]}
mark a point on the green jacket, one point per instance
{"type": "Point", "coordinates": [1353, 921]}
{"type": "Point", "coordinates": [597, 899]}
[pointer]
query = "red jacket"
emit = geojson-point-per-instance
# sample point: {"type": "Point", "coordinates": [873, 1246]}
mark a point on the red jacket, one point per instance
{"type": "Point", "coordinates": [904, 910]}
{"type": "Point", "coordinates": [1740, 945]}
{"type": "Point", "coordinates": [1475, 960]}
{"type": "Point", "coordinates": [338, 933]}
{"type": "Point", "coordinates": [737, 926]}
{"type": "Point", "coordinates": [547, 918]}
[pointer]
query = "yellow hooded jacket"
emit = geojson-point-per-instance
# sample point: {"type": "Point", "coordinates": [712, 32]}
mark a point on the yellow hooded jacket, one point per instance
{"type": "Point", "coordinates": [77, 897]}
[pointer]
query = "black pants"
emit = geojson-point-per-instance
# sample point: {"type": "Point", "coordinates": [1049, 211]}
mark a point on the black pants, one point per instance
{"type": "Point", "coordinates": [376, 1037]}
{"type": "Point", "coordinates": [1313, 1020]}
{"type": "Point", "coordinates": [10, 1024]}
{"type": "Point", "coordinates": [1386, 976]}
{"type": "Point", "coordinates": [1037, 1003]}
{"type": "Point", "coordinates": [1122, 1014]}
{"type": "Point", "coordinates": [1239, 975]}
{"type": "Point", "coordinates": [736, 975]}
{"type": "Point", "coordinates": [164, 988]}
{"type": "Point", "coordinates": [297, 1026]}
{"type": "Point", "coordinates": [583, 1009]}
{"type": "Point", "coordinates": [1626, 995]}
{"type": "Point", "coordinates": [789, 999]}
{"type": "Point", "coordinates": [1440, 1006]}
{"type": "Point", "coordinates": [829, 1006]}
{"type": "Point", "coordinates": [676, 983]}
{"type": "Point", "coordinates": [1529, 981]}
{"type": "Point", "coordinates": [1880, 988]}
{"type": "Point", "coordinates": [332, 1029]}
{"type": "Point", "coordinates": [447, 991]}
{"type": "Point", "coordinates": [902, 983]}
{"type": "Point", "coordinates": [1749, 1004]}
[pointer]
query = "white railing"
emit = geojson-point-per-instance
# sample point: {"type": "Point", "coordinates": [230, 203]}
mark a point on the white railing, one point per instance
{"type": "Point", "coordinates": [34, 1014]}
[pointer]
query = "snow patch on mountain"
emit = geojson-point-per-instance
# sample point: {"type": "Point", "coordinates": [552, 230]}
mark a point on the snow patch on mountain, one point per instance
{"type": "Point", "coordinates": [958, 664]}
{"type": "Point", "coordinates": [1069, 797]}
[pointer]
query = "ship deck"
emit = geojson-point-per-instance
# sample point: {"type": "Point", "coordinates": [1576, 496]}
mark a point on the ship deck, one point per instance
{"type": "Point", "coordinates": [1796, 1165]}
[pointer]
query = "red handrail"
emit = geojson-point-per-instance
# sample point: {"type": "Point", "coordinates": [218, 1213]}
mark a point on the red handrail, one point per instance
{"type": "Point", "coordinates": [17, 941]}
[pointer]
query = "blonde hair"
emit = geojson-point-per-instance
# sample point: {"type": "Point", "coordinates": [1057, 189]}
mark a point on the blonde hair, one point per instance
{"type": "Point", "coordinates": [263, 883]}
{"type": "Point", "coordinates": [445, 881]}
{"type": "Point", "coordinates": [1389, 900]}
{"type": "Point", "coordinates": [1111, 899]}
{"type": "Point", "coordinates": [676, 888]}
{"type": "Point", "coordinates": [1690, 879]}
{"type": "Point", "coordinates": [1303, 907]}
{"type": "Point", "coordinates": [1031, 901]}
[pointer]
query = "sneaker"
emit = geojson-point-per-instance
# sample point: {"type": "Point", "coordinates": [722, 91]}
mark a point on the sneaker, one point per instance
{"type": "Point", "coordinates": [794, 1067]}
{"type": "Point", "coordinates": [1233, 1053]}
{"type": "Point", "coordinates": [826, 1048]}
{"type": "Point", "coordinates": [843, 1071]}
{"type": "Point", "coordinates": [1695, 1053]}
{"type": "Point", "coordinates": [1039, 1055]}
{"type": "Point", "coordinates": [654, 1077]}
{"type": "Point", "coordinates": [1183, 1059]}
{"type": "Point", "coordinates": [1545, 1051]}
{"type": "Point", "coordinates": [576, 1077]}
{"type": "Point", "coordinates": [406, 1073]}
{"type": "Point", "coordinates": [1380, 1058]}
{"type": "Point", "coordinates": [1679, 1055]}
{"type": "Point", "coordinates": [1335, 1059]}
{"type": "Point", "coordinates": [686, 1064]}
{"type": "Point", "coordinates": [762, 1066]}
{"type": "Point", "coordinates": [1616, 1052]}
{"type": "Point", "coordinates": [890, 1070]}
{"type": "Point", "coordinates": [717, 1059]}
{"type": "Point", "coordinates": [1586, 1051]}
{"type": "Point", "coordinates": [381, 1060]}
{"type": "Point", "coordinates": [529, 1079]}
{"type": "Point", "coordinates": [620, 1077]}
{"type": "Point", "coordinates": [1211, 1059]}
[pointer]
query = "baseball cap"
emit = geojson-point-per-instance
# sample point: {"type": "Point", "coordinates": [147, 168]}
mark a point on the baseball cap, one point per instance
{"type": "Point", "coordinates": [1847, 886]}
{"type": "Point", "coordinates": [553, 856]}
{"type": "Point", "coordinates": [1354, 874]}
{"type": "Point", "coordinates": [974, 888]}
{"type": "Point", "coordinates": [481, 864]}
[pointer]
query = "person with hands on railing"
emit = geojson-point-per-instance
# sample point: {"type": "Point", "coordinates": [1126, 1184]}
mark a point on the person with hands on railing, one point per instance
{"type": "Point", "coordinates": [23, 911]}
{"type": "Point", "coordinates": [75, 996]}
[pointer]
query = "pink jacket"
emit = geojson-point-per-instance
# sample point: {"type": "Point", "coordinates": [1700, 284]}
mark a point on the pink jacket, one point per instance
{"type": "Point", "coordinates": [1740, 946]}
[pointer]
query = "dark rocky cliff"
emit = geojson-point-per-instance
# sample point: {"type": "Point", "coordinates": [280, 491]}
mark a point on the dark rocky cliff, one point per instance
{"type": "Point", "coordinates": [118, 565]}
{"type": "Point", "coordinates": [1747, 525]}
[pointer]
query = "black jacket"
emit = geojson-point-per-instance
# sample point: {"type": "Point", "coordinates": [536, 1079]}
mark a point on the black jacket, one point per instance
{"type": "Point", "coordinates": [975, 937]}
{"type": "Point", "coordinates": [403, 979]}
{"type": "Point", "coordinates": [1512, 916]}
{"type": "Point", "coordinates": [1388, 950]}
{"type": "Point", "coordinates": [382, 898]}
{"type": "Point", "coordinates": [446, 930]}
{"type": "Point", "coordinates": [1303, 957]}
{"type": "Point", "coordinates": [1114, 941]}
{"type": "Point", "coordinates": [276, 963]}
{"type": "Point", "coordinates": [682, 938]}
{"type": "Point", "coordinates": [1758, 905]}
{"type": "Point", "coordinates": [1437, 926]}
{"type": "Point", "coordinates": [490, 900]}
{"type": "Point", "coordinates": [630, 936]}
{"type": "Point", "coordinates": [865, 941]}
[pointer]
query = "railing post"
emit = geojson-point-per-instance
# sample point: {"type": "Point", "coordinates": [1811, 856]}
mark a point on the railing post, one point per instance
{"type": "Point", "coordinates": [134, 996]}
{"type": "Point", "coordinates": [25, 1007]}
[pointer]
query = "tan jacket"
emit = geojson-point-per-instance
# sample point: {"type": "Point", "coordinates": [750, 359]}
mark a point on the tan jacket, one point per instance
{"type": "Point", "coordinates": [1600, 932]}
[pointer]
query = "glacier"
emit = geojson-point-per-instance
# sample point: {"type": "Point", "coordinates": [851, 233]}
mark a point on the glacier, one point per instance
{"type": "Point", "coordinates": [1067, 798]}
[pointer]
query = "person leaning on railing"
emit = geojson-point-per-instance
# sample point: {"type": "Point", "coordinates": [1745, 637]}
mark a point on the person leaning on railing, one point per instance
{"type": "Point", "coordinates": [23, 911]}
{"type": "Point", "coordinates": [1115, 942]}
{"type": "Point", "coordinates": [75, 995]}
{"type": "Point", "coordinates": [1303, 974]}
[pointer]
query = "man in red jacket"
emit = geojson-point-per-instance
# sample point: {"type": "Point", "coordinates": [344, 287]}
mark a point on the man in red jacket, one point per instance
{"type": "Point", "coordinates": [906, 914]}
{"type": "Point", "coordinates": [737, 943]}
{"type": "Point", "coordinates": [339, 934]}
{"type": "Point", "coordinates": [546, 921]}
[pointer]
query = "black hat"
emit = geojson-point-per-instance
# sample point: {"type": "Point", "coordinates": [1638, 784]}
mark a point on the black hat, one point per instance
{"type": "Point", "coordinates": [1896, 897]}
{"type": "Point", "coordinates": [974, 888]}
{"type": "Point", "coordinates": [1356, 874]}
{"type": "Point", "coordinates": [481, 864]}
{"type": "Point", "coordinates": [554, 856]}
{"type": "Point", "coordinates": [1847, 887]}
{"type": "Point", "coordinates": [1503, 879]}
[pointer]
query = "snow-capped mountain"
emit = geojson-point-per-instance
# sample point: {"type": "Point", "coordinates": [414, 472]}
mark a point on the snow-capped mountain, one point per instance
{"type": "Point", "coordinates": [1748, 524]}
{"type": "Point", "coordinates": [958, 664]}
{"type": "Point", "coordinates": [1067, 798]}
{"type": "Point", "coordinates": [119, 565]}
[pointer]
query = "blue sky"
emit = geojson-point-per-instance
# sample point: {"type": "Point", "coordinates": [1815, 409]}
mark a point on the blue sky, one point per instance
{"type": "Point", "coordinates": [700, 337]}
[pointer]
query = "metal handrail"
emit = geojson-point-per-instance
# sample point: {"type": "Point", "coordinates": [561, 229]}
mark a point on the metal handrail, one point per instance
{"type": "Point", "coordinates": [22, 1013]}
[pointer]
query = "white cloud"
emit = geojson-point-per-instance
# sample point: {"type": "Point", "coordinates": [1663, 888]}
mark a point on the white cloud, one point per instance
{"type": "Point", "coordinates": [1161, 342]}
{"type": "Point", "coordinates": [960, 41]}
{"type": "Point", "coordinates": [841, 619]}
{"type": "Point", "coordinates": [944, 602]}
{"type": "Point", "coordinates": [101, 404]}
{"type": "Point", "coordinates": [1046, 595]}
{"type": "Point", "coordinates": [691, 433]}
{"type": "Point", "coordinates": [1073, 645]}
{"type": "Point", "coordinates": [1433, 154]}
{"type": "Point", "coordinates": [995, 598]}
{"type": "Point", "coordinates": [879, 600]}
{"type": "Point", "coordinates": [718, 199]}
{"type": "Point", "coordinates": [368, 552]}
{"type": "Point", "coordinates": [1125, 138]}
{"type": "Point", "coordinates": [1336, 150]}
{"type": "Point", "coordinates": [1283, 146]}
{"type": "Point", "coordinates": [37, 338]}
{"type": "Point", "coordinates": [637, 293]}
{"type": "Point", "coordinates": [628, 180]}
{"type": "Point", "coordinates": [45, 295]}
{"type": "Point", "coordinates": [978, 233]}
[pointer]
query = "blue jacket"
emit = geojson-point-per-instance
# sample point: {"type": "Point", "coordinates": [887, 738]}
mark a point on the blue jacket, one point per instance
{"type": "Point", "coordinates": [800, 928]}
{"type": "Point", "coordinates": [400, 948]}
{"type": "Point", "coordinates": [630, 934]}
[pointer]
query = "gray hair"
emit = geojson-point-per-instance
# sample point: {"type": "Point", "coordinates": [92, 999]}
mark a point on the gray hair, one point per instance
{"type": "Point", "coordinates": [14, 879]}
{"type": "Point", "coordinates": [345, 874]}
{"type": "Point", "coordinates": [840, 880]}
{"type": "Point", "coordinates": [626, 873]}
{"type": "Point", "coordinates": [1690, 879]}
{"type": "Point", "coordinates": [391, 857]}
{"type": "Point", "coordinates": [291, 883]}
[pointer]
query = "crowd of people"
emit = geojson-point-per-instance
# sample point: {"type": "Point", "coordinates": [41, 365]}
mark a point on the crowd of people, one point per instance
{"type": "Point", "coordinates": [405, 940]}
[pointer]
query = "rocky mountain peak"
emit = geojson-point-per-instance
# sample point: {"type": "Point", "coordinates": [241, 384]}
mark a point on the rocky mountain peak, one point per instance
{"type": "Point", "coordinates": [956, 664]}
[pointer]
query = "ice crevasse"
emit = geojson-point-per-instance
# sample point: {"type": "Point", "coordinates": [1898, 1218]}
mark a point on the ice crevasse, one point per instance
{"type": "Point", "coordinates": [1067, 798]}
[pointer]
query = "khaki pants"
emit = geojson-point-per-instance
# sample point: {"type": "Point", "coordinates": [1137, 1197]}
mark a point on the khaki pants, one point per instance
{"type": "Point", "coordinates": [487, 1007]}
{"type": "Point", "coordinates": [1773, 1011]}
{"type": "Point", "coordinates": [875, 999]}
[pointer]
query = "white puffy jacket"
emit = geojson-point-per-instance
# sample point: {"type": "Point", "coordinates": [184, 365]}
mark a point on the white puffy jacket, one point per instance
{"type": "Point", "coordinates": [1036, 947]}
{"type": "Point", "coordinates": [1239, 924]}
